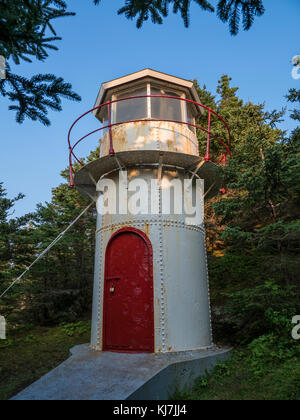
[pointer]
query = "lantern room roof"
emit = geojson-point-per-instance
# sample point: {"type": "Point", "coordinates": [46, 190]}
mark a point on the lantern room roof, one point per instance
{"type": "Point", "coordinates": [147, 74]}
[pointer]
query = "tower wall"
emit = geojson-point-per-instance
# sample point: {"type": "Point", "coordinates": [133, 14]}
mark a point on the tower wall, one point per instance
{"type": "Point", "coordinates": [181, 293]}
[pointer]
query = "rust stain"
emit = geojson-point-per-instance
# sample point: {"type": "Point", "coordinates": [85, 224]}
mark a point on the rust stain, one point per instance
{"type": "Point", "coordinates": [141, 134]}
{"type": "Point", "coordinates": [147, 228]}
{"type": "Point", "coordinates": [133, 173]}
{"type": "Point", "coordinates": [120, 138]}
{"type": "Point", "coordinates": [170, 144]}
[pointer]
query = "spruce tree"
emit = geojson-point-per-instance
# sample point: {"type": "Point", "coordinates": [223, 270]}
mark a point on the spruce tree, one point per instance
{"type": "Point", "coordinates": [294, 97]}
{"type": "Point", "coordinates": [230, 11]}
{"type": "Point", "coordinates": [26, 33]}
{"type": "Point", "coordinates": [16, 251]}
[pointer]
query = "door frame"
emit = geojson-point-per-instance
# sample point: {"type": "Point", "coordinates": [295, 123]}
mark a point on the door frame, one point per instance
{"type": "Point", "coordinates": [148, 243]}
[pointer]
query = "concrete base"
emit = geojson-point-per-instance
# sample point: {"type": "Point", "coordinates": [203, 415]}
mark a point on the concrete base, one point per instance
{"type": "Point", "coordinates": [90, 375]}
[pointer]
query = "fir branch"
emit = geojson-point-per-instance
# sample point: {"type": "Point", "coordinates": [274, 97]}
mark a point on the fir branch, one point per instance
{"type": "Point", "coordinates": [159, 9]}
{"type": "Point", "coordinates": [294, 97]}
{"type": "Point", "coordinates": [23, 35]}
{"type": "Point", "coordinates": [228, 11]}
{"type": "Point", "coordinates": [231, 10]}
{"type": "Point", "coordinates": [23, 26]}
{"type": "Point", "coordinates": [35, 96]}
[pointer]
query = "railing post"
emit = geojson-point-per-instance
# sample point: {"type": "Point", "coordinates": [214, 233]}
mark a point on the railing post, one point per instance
{"type": "Point", "coordinates": [111, 146]}
{"type": "Point", "coordinates": [224, 160]}
{"type": "Point", "coordinates": [110, 125]}
{"type": "Point", "coordinates": [207, 156]}
{"type": "Point", "coordinates": [71, 169]}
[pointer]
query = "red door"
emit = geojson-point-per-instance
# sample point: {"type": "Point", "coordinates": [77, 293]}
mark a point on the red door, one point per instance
{"type": "Point", "coordinates": [128, 321]}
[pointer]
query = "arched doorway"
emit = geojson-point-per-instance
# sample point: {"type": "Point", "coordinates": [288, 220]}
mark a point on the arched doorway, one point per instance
{"type": "Point", "coordinates": [128, 319]}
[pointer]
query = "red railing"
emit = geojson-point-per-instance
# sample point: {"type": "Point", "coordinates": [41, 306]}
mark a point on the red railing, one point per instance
{"type": "Point", "coordinates": [210, 135]}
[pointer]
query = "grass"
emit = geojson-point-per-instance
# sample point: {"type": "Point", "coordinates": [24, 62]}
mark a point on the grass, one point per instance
{"type": "Point", "coordinates": [235, 380]}
{"type": "Point", "coordinates": [31, 352]}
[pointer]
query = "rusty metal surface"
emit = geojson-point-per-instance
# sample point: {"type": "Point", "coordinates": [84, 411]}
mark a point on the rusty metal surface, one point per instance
{"type": "Point", "coordinates": [179, 141]}
{"type": "Point", "coordinates": [84, 178]}
{"type": "Point", "coordinates": [151, 135]}
{"type": "Point", "coordinates": [180, 281]}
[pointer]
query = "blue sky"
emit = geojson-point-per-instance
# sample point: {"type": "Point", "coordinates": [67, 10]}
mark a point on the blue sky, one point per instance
{"type": "Point", "coordinates": [98, 45]}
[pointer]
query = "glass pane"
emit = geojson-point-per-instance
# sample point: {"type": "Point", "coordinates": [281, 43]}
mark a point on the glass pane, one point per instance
{"type": "Point", "coordinates": [104, 116]}
{"type": "Point", "coordinates": [132, 109]}
{"type": "Point", "coordinates": [165, 109]}
{"type": "Point", "coordinates": [190, 116]}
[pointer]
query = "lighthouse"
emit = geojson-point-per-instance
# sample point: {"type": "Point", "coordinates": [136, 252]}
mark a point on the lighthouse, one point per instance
{"type": "Point", "coordinates": [157, 164]}
{"type": "Point", "coordinates": [151, 288]}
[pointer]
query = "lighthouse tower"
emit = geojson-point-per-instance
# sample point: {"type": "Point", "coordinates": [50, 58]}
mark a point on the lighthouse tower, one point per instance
{"type": "Point", "coordinates": [151, 290]}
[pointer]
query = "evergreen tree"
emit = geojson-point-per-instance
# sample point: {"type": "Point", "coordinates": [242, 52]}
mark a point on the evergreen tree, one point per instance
{"type": "Point", "coordinates": [256, 220]}
{"type": "Point", "coordinates": [294, 97]}
{"type": "Point", "coordinates": [26, 32]}
{"type": "Point", "coordinates": [15, 250]}
{"type": "Point", "coordinates": [251, 127]}
{"type": "Point", "coordinates": [59, 287]}
{"type": "Point", "coordinates": [228, 11]}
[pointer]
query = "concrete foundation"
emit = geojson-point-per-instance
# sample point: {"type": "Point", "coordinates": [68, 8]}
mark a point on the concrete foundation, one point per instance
{"type": "Point", "coordinates": [90, 375]}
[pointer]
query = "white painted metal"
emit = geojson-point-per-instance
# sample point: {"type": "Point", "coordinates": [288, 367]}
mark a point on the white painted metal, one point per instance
{"type": "Point", "coordinates": [181, 297]}
{"type": "Point", "coordinates": [2, 328]}
{"type": "Point", "coordinates": [181, 292]}
{"type": "Point", "coordinates": [151, 135]}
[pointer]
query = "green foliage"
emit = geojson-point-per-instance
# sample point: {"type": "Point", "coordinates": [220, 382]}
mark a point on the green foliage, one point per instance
{"type": "Point", "coordinates": [27, 32]}
{"type": "Point", "coordinates": [294, 97]}
{"type": "Point", "coordinates": [237, 379]}
{"type": "Point", "coordinates": [32, 352]}
{"type": "Point", "coordinates": [23, 26]}
{"type": "Point", "coordinates": [263, 176]}
{"type": "Point", "coordinates": [254, 227]}
{"type": "Point", "coordinates": [264, 309]}
{"type": "Point", "coordinates": [59, 287]}
{"type": "Point", "coordinates": [77, 328]}
{"type": "Point", "coordinates": [279, 236]}
{"type": "Point", "coordinates": [14, 250]}
{"type": "Point", "coordinates": [36, 96]}
{"type": "Point", "coordinates": [269, 350]}
{"type": "Point", "coordinates": [271, 238]}
{"type": "Point", "coordinates": [201, 382]}
{"type": "Point", "coordinates": [6, 343]}
{"type": "Point", "coordinates": [252, 129]}
{"type": "Point", "coordinates": [159, 9]}
{"type": "Point", "coordinates": [228, 11]}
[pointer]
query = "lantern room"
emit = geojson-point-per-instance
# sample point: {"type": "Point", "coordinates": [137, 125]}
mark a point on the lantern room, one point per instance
{"type": "Point", "coordinates": [154, 106]}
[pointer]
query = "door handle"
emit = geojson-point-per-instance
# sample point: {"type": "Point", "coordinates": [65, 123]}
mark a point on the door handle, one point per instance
{"type": "Point", "coordinates": [112, 278]}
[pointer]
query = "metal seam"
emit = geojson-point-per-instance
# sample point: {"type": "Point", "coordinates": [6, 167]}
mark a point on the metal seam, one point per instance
{"type": "Point", "coordinates": [170, 223]}
{"type": "Point", "coordinates": [100, 327]}
{"type": "Point", "coordinates": [208, 291]}
{"type": "Point", "coordinates": [161, 274]}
